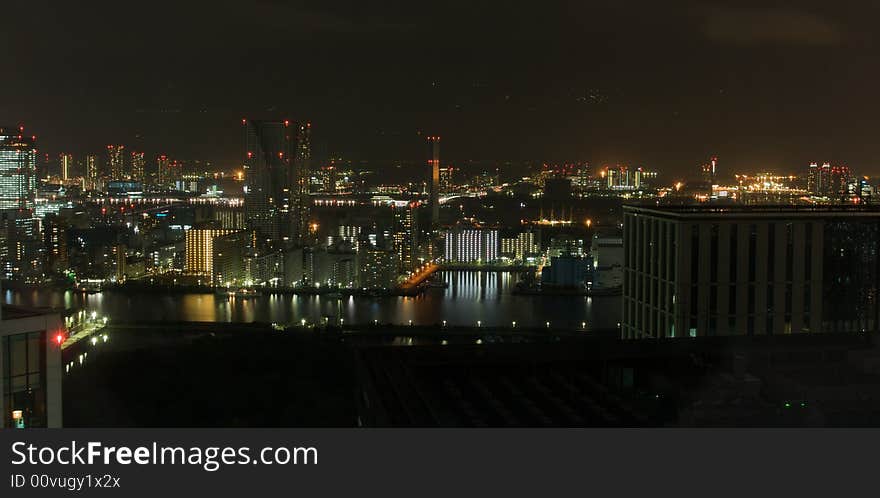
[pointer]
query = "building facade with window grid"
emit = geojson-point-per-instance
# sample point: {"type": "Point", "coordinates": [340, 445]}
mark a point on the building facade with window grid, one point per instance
{"type": "Point", "coordinates": [706, 271]}
{"type": "Point", "coordinates": [30, 368]}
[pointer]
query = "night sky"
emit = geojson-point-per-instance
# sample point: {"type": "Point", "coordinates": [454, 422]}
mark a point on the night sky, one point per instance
{"type": "Point", "coordinates": [646, 83]}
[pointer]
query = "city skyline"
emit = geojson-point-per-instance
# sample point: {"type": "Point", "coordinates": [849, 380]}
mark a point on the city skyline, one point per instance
{"type": "Point", "coordinates": [640, 215]}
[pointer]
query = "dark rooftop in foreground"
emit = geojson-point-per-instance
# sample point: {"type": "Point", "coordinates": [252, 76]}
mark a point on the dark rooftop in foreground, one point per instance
{"type": "Point", "coordinates": [11, 312]}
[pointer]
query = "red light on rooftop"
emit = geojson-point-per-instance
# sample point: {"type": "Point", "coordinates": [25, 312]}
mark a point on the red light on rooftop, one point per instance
{"type": "Point", "coordinates": [244, 121]}
{"type": "Point", "coordinates": [286, 122]}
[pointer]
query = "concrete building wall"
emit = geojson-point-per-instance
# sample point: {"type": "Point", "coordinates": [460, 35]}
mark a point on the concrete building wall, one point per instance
{"type": "Point", "coordinates": [50, 325]}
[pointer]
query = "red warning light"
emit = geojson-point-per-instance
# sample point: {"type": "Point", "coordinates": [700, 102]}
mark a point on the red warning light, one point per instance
{"type": "Point", "coordinates": [59, 338]}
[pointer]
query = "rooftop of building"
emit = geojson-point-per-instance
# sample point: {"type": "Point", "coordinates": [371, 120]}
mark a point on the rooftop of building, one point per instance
{"type": "Point", "coordinates": [11, 312]}
{"type": "Point", "coordinates": [683, 211]}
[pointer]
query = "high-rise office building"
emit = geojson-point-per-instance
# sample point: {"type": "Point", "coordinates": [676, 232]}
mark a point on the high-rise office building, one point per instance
{"type": "Point", "coordinates": [816, 177]}
{"type": "Point", "coordinates": [92, 178]}
{"type": "Point", "coordinates": [841, 180]}
{"type": "Point", "coordinates": [18, 173]}
{"type": "Point", "coordinates": [163, 176]}
{"type": "Point", "coordinates": [302, 167]}
{"type": "Point", "coordinates": [434, 166]}
{"type": "Point", "coordinates": [272, 186]}
{"type": "Point", "coordinates": [137, 166]}
{"type": "Point", "coordinates": [404, 235]}
{"type": "Point", "coordinates": [55, 242]}
{"type": "Point", "coordinates": [21, 247]}
{"type": "Point", "coordinates": [835, 182]}
{"type": "Point", "coordinates": [66, 163]}
{"type": "Point", "coordinates": [328, 179]}
{"type": "Point", "coordinates": [116, 162]}
{"type": "Point", "coordinates": [703, 271]}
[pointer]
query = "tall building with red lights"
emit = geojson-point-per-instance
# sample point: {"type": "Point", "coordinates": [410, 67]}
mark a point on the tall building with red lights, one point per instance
{"type": "Point", "coordinates": [116, 162]}
{"type": "Point", "coordinates": [277, 158]}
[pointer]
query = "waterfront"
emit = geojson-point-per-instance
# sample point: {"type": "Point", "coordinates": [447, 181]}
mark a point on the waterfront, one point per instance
{"type": "Point", "coordinates": [468, 298]}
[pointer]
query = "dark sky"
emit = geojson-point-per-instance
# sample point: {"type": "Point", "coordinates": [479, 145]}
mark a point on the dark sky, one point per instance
{"type": "Point", "coordinates": [660, 84]}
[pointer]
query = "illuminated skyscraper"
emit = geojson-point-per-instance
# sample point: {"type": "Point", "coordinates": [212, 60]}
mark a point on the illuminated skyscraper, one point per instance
{"type": "Point", "coordinates": [164, 170]}
{"type": "Point", "coordinates": [272, 188]}
{"type": "Point", "coordinates": [137, 166]}
{"type": "Point", "coordinates": [116, 162]}
{"type": "Point", "coordinates": [200, 250]}
{"type": "Point", "coordinates": [91, 180]}
{"type": "Point", "coordinates": [66, 161]}
{"type": "Point", "coordinates": [18, 175]}
{"type": "Point", "coordinates": [302, 171]}
{"type": "Point", "coordinates": [434, 164]}
{"type": "Point", "coordinates": [55, 242]}
{"type": "Point", "coordinates": [405, 241]}
{"type": "Point", "coordinates": [839, 186]}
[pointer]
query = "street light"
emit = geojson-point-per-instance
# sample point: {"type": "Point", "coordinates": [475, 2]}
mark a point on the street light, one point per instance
{"type": "Point", "coordinates": [514, 324]}
{"type": "Point", "coordinates": [548, 325]}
